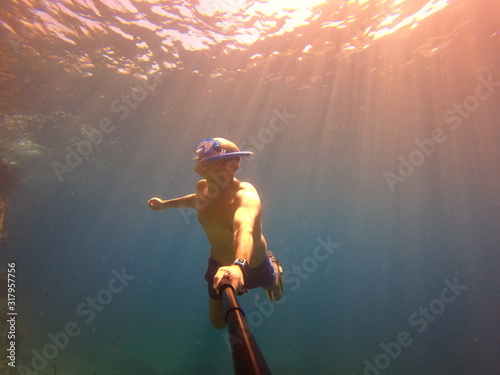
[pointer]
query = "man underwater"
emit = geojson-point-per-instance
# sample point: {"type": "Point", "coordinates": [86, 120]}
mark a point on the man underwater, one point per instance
{"type": "Point", "coordinates": [230, 212]}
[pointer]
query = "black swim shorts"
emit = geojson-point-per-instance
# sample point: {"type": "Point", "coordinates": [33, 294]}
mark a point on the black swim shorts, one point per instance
{"type": "Point", "coordinates": [261, 276]}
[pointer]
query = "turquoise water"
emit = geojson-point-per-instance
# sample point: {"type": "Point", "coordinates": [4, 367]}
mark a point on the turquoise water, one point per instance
{"type": "Point", "coordinates": [375, 132]}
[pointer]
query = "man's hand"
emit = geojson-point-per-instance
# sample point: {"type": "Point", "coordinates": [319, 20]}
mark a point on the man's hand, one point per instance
{"type": "Point", "coordinates": [156, 204]}
{"type": "Point", "coordinates": [229, 275]}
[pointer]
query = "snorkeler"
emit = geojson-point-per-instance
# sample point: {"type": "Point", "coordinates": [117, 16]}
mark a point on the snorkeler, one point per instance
{"type": "Point", "coordinates": [230, 212]}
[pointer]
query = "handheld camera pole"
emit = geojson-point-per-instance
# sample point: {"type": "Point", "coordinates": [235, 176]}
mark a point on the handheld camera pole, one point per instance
{"type": "Point", "coordinates": [247, 358]}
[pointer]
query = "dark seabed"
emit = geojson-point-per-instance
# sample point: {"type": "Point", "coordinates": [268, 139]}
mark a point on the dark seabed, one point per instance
{"type": "Point", "coordinates": [375, 129]}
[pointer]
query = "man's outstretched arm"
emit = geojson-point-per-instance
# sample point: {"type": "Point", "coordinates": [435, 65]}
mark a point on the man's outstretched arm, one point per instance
{"type": "Point", "coordinates": [186, 201]}
{"type": "Point", "coordinates": [244, 221]}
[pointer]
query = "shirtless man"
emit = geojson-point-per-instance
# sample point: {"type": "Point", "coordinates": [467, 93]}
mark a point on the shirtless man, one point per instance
{"type": "Point", "coordinates": [231, 215]}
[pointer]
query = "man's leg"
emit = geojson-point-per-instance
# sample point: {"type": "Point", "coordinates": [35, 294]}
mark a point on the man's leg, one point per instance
{"type": "Point", "coordinates": [276, 280]}
{"type": "Point", "coordinates": [215, 304]}
{"type": "Point", "coordinates": [216, 308]}
{"type": "Point", "coordinates": [275, 291]}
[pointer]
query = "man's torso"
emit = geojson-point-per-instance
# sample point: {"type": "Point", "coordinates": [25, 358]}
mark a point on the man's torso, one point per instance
{"type": "Point", "coordinates": [216, 216]}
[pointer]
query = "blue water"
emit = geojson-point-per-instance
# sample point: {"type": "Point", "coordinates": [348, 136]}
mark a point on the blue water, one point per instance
{"type": "Point", "coordinates": [377, 170]}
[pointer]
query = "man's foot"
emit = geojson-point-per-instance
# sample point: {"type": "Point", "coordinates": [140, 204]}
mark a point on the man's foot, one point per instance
{"type": "Point", "coordinates": [275, 292]}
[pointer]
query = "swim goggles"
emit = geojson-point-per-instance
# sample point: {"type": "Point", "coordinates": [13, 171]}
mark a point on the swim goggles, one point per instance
{"type": "Point", "coordinates": [211, 147]}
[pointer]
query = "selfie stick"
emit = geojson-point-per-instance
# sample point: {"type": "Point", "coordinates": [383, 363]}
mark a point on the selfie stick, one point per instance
{"type": "Point", "coordinates": [247, 358]}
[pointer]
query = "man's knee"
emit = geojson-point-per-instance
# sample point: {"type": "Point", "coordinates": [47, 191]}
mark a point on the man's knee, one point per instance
{"type": "Point", "coordinates": [218, 323]}
{"type": "Point", "coordinates": [216, 309]}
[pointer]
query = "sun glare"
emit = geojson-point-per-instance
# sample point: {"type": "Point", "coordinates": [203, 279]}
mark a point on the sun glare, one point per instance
{"type": "Point", "coordinates": [295, 12]}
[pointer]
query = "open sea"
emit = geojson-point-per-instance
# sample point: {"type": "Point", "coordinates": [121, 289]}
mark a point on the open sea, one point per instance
{"type": "Point", "coordinates": [375, 131]}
